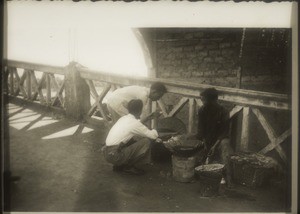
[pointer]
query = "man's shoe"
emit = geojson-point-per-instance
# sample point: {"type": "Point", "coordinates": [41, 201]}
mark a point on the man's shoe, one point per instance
{"type": "Point", "coordinates": [141, 171]}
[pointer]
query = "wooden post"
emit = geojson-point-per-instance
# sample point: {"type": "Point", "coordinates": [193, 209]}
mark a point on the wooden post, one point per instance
{"type": "Point", "coordinates": [191, 115]}
{"type": "Point", "coordinates": [28, 84]}
{"type": "Point", "coordinates": [77, 94]}
{"type": "Point", "coordinates": [178, 107]}
{"type": "Point", "coordinates": [11, 81]}
{"type": "Point", "coordinates": [149, 110]}
{"type": "Point", "coordinates": [154, 121]}
{"type": "Point", "coordinates": [245, 130]}
{"type": "Point", "coordinates": [48, 88]}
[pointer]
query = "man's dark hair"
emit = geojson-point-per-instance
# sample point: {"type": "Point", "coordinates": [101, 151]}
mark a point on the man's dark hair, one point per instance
{"type": "Point", "coordinates": [135, 106]}
{"type": "Point", "coordinates": [157, 86]}
{"type": "Point", "coordinates": [210, 94]}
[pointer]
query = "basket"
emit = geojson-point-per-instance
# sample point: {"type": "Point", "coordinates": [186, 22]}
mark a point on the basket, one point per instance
{"type": "Point", "coordinates": [210, 170]}
{"type": "Point", "coordinates": [209, 186]}
{"type": "Point", "coordinates": [210, 176]}
{"type": "Point", "coordinates": [253, 170]}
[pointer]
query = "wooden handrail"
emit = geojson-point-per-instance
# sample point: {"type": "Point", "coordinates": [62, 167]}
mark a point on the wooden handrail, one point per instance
{"type": "Point", "coordinates": [36, 67]}
{"type": "Point", "coordinates": [245, 100]}
{"type": "Point", "coordinates": [234, 95]}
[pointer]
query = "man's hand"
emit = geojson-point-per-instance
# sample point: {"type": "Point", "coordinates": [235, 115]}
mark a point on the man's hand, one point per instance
{"type": "Point", "coordinates": [213, 148]}
{"type": "Point", "coordinates": [158, 140]}
{"type": "Point", "coordinates": [211, 152]}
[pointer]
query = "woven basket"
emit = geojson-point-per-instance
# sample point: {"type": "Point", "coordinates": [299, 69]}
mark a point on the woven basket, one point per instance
{"type": "Point", "coordinates": [210, 170]}
{"type": "Point", "coordinates": [253, 170]}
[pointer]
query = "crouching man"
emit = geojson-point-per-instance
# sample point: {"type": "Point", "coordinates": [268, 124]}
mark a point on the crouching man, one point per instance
{"type": "Point", "coordinates": [128, 141]}
{"type": "Point", "coordinates": [213, 130]}
{"type": "Point", "coordinates": [117, 101]}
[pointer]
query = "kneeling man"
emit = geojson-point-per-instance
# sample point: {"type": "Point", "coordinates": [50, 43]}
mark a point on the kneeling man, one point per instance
{"type": "Point", "coordinates": [128, 141]}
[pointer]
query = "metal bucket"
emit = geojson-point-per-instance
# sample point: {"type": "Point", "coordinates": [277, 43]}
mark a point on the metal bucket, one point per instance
{"type": "Point", "coordinates": [210, 176]}
{"type": "Point", "coordinates": [183, 168]}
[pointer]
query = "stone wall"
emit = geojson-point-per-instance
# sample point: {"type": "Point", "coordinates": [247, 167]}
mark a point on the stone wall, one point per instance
{"type": "Point", "coordinates": [215, 56]}
{"type": "Point", "coordinates": [198, 55]}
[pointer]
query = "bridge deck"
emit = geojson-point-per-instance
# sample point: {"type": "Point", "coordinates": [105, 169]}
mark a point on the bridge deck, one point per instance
{"type": "Point", "coordinates": [62, 169]}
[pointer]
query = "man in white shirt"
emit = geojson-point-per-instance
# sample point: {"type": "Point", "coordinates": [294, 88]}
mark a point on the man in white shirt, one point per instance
{"type": "Point", "coordinates": [117, 101]}
{"type": "Point", "coordinates": [128, 141]}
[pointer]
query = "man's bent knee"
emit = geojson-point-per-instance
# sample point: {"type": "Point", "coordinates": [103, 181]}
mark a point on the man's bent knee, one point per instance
{"type": "Point", "coordinates": [144, 144]}
{"type": "Point", "coordinates": [225, 150]}
{"type": "Point", "coordinates": [225, 142]}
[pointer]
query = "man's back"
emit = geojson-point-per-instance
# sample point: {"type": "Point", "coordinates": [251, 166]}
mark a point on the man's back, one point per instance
{"type": "Point", "coordinates": [120, 97]}
{"type": "Point", "coordinates": [126, 128]}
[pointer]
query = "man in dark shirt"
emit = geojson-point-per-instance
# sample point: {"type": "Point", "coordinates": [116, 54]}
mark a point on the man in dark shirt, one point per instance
{"type": "Point", "coordinates": [213, 130]}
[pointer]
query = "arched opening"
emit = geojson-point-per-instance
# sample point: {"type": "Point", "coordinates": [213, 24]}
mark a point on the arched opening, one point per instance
{"type": "Point", "coordinates": [114, 50]}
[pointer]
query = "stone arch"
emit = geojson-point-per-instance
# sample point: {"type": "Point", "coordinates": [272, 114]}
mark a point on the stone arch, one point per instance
{"type": "Point", "coordinates": [148, 54]}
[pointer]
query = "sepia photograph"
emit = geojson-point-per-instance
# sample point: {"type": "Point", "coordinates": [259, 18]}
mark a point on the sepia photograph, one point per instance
{"type": "Point", "coordinates": [150, 107]}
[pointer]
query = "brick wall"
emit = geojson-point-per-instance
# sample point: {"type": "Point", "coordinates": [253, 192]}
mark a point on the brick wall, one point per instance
{"type": "Point", "coordinates": [213, 56]}
{"type": "Point", "coordinates": [198, 55]}
{"type": "Point", "coordinates": [266, 60]}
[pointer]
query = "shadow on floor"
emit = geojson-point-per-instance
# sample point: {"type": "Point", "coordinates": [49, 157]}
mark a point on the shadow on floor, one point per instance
{"type": "Point", "coordinates": [62, 169]}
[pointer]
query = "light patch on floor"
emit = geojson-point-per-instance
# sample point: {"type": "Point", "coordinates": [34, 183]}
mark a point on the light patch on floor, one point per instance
{"type": "Point", "coordinates": [23, 111]}
{"type": "Point", "coordinates": [43, 122]}
{"type": "Point", "coordinates": [13, 108]}
{"type": "Point", "coordinates": [86, 130]}
{"type": "Point", "coordinates": [24, 121]}
{"type": "Point", "coordinates": [22, 115]}
{"type": "Point", "coordinates": [67, 132]}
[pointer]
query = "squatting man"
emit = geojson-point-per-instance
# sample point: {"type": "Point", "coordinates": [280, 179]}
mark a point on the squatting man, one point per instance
{"type": "Point", "coordinates": [213, 131]}
{"type": "Point", "coordinates": [128, 142]}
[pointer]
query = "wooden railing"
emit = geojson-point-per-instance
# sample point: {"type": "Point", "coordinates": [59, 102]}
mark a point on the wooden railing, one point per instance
{"type": "Point", "coordinates": [245, 101]}
{"type": "Point", "coordinates": [22, 82]}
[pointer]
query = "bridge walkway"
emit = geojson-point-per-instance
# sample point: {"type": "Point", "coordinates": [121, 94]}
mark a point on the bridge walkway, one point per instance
{"type": "Point", "coordinates": [62, 169]}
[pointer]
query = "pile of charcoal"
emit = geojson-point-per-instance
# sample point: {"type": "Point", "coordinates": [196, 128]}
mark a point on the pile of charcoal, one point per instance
{"type": "Point", "coordinates": [181, 145]}
{"type": "Point", "coordinates": [255, 159]}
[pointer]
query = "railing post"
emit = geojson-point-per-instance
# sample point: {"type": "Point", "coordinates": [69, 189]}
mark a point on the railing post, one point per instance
{"type": "Point", "coordinates": [154, 121]}
{"type": "Point", "coordinates": [11, 73]}
{"type": "Point", "coordinates": [191, 115]}
{"type": "Point", "coordinates": [77, 99]}
{"type": "Point", "coordinates": [245, 129]}
{"type": "Point", "coordinates": [48, 90]}
{"type": "Point", "coordinates": [28, 82]}
{"type": "Point", "coordinates": [149, 110]}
